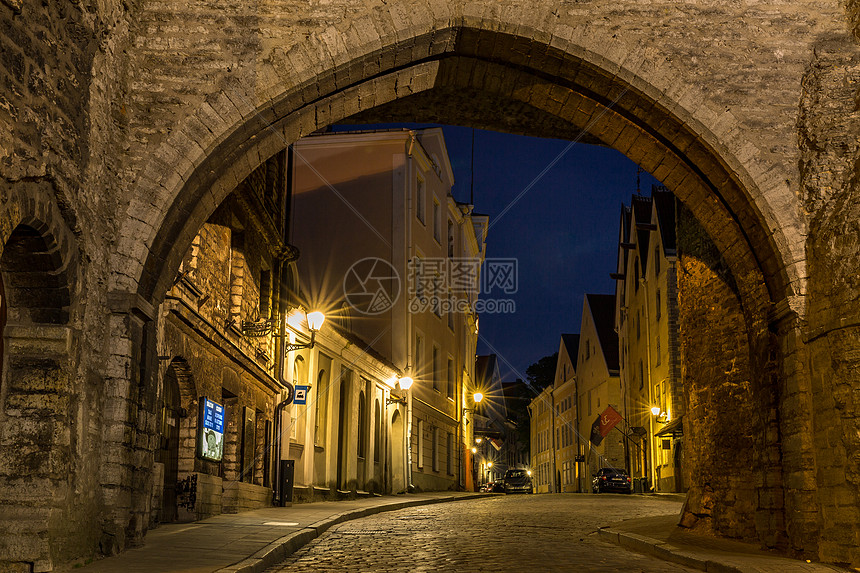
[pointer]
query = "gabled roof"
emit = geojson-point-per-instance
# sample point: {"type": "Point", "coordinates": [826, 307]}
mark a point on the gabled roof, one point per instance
{"type": "Point", "coordinates": [641, 206]}
{"type": "Point", "coordinates": [571, 344]}
{"type": "Point", "coordinates": [484, 367]}
{"type": "Point", "coordinates": [664, 205]}
{"type": "Point", "coordinates": [603, 313]}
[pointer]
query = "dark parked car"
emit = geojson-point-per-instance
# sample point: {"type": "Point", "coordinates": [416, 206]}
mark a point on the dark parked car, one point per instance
{"type": "Point", "coordinates": [610, 479]}
{"type": "Point", "coordinates": [517, 481]}
{"type": "Point", "coordinates": [497, 486]}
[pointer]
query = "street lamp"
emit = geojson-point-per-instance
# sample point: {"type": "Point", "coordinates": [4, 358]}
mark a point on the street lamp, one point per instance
{"type": "Point", "coordinates": [659, 415]}
{"type": "Point", "coordinates": [405, 383]}
{"type": "Point", "coordinates": [315, 321]}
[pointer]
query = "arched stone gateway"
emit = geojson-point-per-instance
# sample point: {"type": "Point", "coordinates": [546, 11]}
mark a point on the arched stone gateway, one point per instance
{"type": "Point", "coordinates": [746, 112]}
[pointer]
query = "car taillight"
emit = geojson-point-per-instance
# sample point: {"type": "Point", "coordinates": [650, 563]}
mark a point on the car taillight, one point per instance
{"type": "Point", "coordinates": [629, 480]}
{"type": "Point", "coordinates": [603, 478]}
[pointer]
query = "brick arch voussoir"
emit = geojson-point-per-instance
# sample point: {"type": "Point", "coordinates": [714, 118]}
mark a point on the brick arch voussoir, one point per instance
{"type": "Point", "coordinates": [302, 83]}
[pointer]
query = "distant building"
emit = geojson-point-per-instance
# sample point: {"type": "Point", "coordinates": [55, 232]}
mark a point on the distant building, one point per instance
{"type": "Point", "coordinates": [517, 396]}
{"type": "Point", "coordinates": [569, 445]}
{"type": "Point", "coordinates": [598, 384]}
{"type": "Point", "coordinates": [647, 324]}
{"type": "Point", "coordinates": [385, 246]}
{"type": "Point", "coordinates": [543, 442]}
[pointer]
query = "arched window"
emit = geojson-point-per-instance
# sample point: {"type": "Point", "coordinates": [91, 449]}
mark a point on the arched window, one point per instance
{"type": "Point", "coordinates": [377, 431]}
{"type": "Point", "coordinates": [362, 426]}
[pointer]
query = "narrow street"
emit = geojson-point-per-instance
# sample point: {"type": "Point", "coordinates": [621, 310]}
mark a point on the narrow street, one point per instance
{"type": "Point", "coordinates": [509, 533]}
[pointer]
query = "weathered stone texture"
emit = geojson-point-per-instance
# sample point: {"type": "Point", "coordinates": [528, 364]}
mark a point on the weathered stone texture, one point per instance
{"type": "Point", "coordinates": [126, 123]}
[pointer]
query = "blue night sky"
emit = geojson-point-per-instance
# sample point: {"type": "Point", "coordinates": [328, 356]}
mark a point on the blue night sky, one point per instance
{"type": "Point", "coordinates": [563, 231]}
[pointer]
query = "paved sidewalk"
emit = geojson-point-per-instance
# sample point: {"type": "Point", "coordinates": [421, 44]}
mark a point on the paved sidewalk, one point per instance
{"type": "Point", "coordinates": [660, 537]}
{"type": "Point", "coordinates": [250, 541]}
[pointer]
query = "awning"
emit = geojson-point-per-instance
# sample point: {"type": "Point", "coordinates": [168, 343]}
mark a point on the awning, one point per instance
{"type": "Point", "coordinates": [675, 427]}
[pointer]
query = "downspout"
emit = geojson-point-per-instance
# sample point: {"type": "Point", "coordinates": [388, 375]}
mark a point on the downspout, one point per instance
{"type": "Point", "coordinates": [652, 471]}
{"type": "Point", "coordinates": [280, 348]}
{"type": "Point", "coordinates": [409, 332]}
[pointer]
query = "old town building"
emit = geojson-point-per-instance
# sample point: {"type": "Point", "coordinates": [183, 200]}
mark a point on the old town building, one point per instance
{"type": "Point", "coordinates": [570, 448]}
{"type": "Point", "coordinates": [542, 442]}
{"type": "Point", "coordinates": [598, 384]}
{"type": "Point", "coordinates": [384, 243]}
{"type": "Point", "coordinates": [646, 319]}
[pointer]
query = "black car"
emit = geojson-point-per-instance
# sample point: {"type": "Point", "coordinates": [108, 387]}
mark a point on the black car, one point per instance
{"type": "Point", "coordinates": [497, 486]}
{"type": "Point", "coordinates": [609, 479]}
{"type": "Point", "coordinates": [517, 481]}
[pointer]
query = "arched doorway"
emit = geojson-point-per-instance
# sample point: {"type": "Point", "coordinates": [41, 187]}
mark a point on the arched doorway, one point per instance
{"type": "Point", "coordinates": [168, 451]}
{"type": "Point", "coordinates": [37, 474]}
{"type": "Point", "coordinates": [398, 466]}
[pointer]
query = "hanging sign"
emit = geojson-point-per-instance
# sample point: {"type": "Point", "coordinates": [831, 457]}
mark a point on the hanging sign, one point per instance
{"type": "Point", "coordinates": [210, 430]}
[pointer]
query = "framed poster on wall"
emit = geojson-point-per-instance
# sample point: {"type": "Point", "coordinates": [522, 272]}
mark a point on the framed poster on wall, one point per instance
{"type": "Point", "coordinates": [210, 430]}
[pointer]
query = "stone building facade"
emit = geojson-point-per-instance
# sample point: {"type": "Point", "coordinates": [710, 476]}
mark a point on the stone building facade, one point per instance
{"type": "Point", "coordinates": [646, 319]}
{"type": "Point", "coordinates": [118, 147]}
{"type": "Point", "coordinates": [377, 204]}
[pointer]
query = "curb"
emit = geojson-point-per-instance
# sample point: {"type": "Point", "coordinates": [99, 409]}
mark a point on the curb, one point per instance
{"type": "Point", "coordinates": [664, 551]}
{"type": "Point", "coordinates": [280, 549]}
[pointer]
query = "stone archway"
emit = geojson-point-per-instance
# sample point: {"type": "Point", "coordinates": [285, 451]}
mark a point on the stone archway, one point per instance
{"type": "Point", "coordinates": [40, 462]}
{"type": "Point", "coordinates": [568, 78]}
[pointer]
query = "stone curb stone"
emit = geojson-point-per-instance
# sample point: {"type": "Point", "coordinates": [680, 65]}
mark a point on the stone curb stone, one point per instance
{"type": "Point", "coordinates": [282, 548]}
{"type": "Point", "coordinates": [665, 551]}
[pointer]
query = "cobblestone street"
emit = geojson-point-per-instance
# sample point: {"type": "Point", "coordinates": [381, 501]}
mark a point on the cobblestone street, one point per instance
{"type": "Point", "coordinates": [511, 533]}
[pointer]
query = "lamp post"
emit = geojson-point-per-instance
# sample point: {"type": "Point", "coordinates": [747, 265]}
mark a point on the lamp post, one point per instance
{"type": "Point", "coordinates": [476, 398]}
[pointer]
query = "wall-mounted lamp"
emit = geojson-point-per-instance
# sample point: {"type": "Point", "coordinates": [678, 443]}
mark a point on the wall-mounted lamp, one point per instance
{"type": "Point", "coordinates": [405, 382]}
{"type": "Point", "coordinates": [315, 322]}
{"type": "Point", "coordinates": [477, 397]}
{"type": "Point", "coordinates": [660, 416]}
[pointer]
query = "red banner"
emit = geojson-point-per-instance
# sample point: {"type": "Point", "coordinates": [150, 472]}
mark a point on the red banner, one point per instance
{"type": "Point", "coordinates": [608, 419]}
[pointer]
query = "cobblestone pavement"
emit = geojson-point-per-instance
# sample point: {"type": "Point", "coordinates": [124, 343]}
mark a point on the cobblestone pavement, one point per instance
{"type": "Point", "coordinates": [528, 533]}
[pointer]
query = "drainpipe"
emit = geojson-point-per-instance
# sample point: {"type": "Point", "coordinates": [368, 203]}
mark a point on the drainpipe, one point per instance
{"type": "Point", "coordinates": [650, 387]}
{"type": "Point", "coordinates": [410, 362]}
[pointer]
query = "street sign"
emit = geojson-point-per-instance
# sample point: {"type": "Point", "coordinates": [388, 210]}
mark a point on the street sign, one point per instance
{"type": "Point", "coordinates": [301, 395]}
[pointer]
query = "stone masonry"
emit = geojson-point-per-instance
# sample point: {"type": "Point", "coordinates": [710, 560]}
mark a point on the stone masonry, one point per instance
{"type": "Point", "coordinates": [125, 124]}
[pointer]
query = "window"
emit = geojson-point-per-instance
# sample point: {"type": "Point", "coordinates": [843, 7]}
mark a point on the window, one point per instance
{"type": "Point", "coordinates": [420, 456]}
{"type": "Point", "coordinates": [659, 354]}
{"type": "Point", "coordinates": [450, 238]}
{"type": "Point", "coordinates": [265, 294]}
{"type": "Point", "coordinates": [420, 199]}
{"type": "Point", "coordinates": [450, 379]}
{"type": "Point", "coordinates": [656, 260]}
{"type": "Point", "coordinates": [589, 402]}
{"type": "Point", "coordinates": [237, 276]}
{"type": "Point", "coordinates": [435, 451]}
{"type": "Point", "coordinates": [436, 368]}
{"type": "Point", "coordinates": [641, 376]}
{"type": "Point", "coordinates": [362, 426]}
{"type": "Point", "coordinates": [587, 349]}
{"type": "Point", "coordinates": [320, 408]}
{"type": "Point", "coordinates": [437, 222]}
{"type": "Point", "coordinates": [658, 304]}
{"type": "Point", "coordinates": [636, 275]}
{"type": "Point", "coordinates": [377, 431]}
{"type": "Point", "coordinates": [418, 359]}
{"type": "Point", "coordinates": [638, 326]}
{"type": "Point", "coordinates": [450, 310]}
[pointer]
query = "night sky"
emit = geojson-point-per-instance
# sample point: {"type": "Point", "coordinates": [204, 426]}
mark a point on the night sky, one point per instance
{"type": "Point", "coordinates": [563, 231]}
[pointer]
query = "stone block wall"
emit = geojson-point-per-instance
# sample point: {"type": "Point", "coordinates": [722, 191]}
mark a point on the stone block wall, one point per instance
{"type": "Point", "coordinates": [730, 410]}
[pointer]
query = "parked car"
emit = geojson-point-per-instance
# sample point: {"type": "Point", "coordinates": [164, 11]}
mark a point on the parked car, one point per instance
{"type": "Point", "coordinates": [611, 479]}
{"type": "Point", "coordinates": [517, 481]}
{"type": "Point", "coordinates": [497, 486]}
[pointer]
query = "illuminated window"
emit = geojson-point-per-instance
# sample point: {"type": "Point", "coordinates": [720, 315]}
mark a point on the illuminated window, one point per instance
{"type": "Point", "coordinates": [437, 221]}
{"type": "Point", "coordinates": [420, 455]}
{"type": "Point", "coordinates": [420, 199]}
